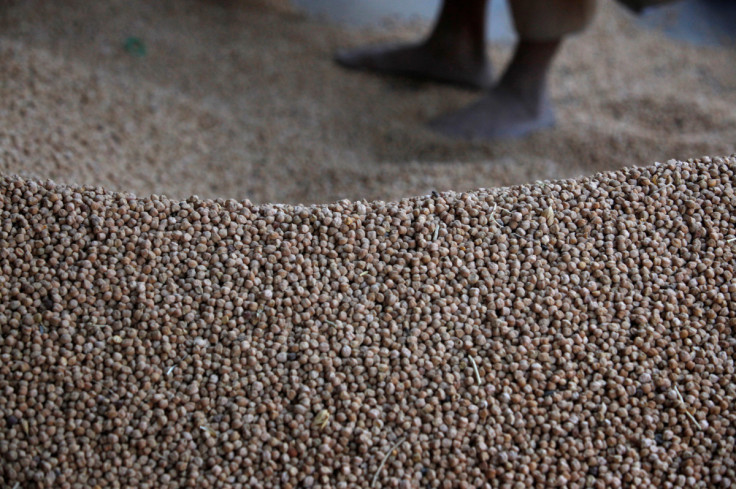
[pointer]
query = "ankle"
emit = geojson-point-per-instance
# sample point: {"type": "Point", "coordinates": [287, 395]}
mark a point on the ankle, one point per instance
{"type": "Point", "coordinates": [526, 76]}
{"type": "Point", "coordinates": [461, 28]}
{"type": "Point", "coordinates": [456, 48]}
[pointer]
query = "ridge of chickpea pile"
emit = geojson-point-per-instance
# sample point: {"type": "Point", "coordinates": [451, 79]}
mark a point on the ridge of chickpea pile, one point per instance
{"type": "Point", "coordinates": [577, 333]}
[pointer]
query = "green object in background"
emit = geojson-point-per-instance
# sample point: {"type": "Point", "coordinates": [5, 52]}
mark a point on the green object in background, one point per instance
{"type": "Point", "coordinates": [135, 47]}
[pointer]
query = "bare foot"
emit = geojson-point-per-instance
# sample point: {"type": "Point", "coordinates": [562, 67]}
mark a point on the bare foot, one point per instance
{"type": "Point", "coordinates": [502, 113]}
{"type": "Point", "coordinates": [421, 61]}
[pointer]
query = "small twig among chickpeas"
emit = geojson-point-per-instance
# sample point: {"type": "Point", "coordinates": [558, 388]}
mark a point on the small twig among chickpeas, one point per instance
{"type": "Point", "coordinates": [208, 430]}
{"type": "Point", "coordinates": [475, 369]}
{"type": "Point", "coordinates": [493, 212]}
{"type": "Point", "coordinates": [495, 206]}
{"type": "Point", "coordinates": [662, 187]}
{"type": "Point", "coordinates": [684, 407]}
{"type": "Point", "coordinates": [383, 462]}
{"type": "Point", "coordinates": [492, 216]}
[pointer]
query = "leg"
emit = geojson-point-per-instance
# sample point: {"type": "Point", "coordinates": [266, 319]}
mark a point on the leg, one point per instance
{"type": "Point", "coordinates": [516, 106]}
{"type": "Point", "coordinates": [519, 104]}
{"type": "Point", "coordinates": [455, 51]}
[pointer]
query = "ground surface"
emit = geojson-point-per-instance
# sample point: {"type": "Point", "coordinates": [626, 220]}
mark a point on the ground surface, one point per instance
{"type": "Point", "coordinates": [242, 100]}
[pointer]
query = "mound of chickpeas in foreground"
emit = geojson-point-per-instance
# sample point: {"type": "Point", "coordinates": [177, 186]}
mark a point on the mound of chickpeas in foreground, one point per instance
{"type": "Point", "coordinates": [576, 334]}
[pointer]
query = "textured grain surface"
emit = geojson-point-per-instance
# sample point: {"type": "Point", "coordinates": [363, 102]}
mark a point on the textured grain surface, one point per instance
{"type": "Point", "coordinates": [577, 333]}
